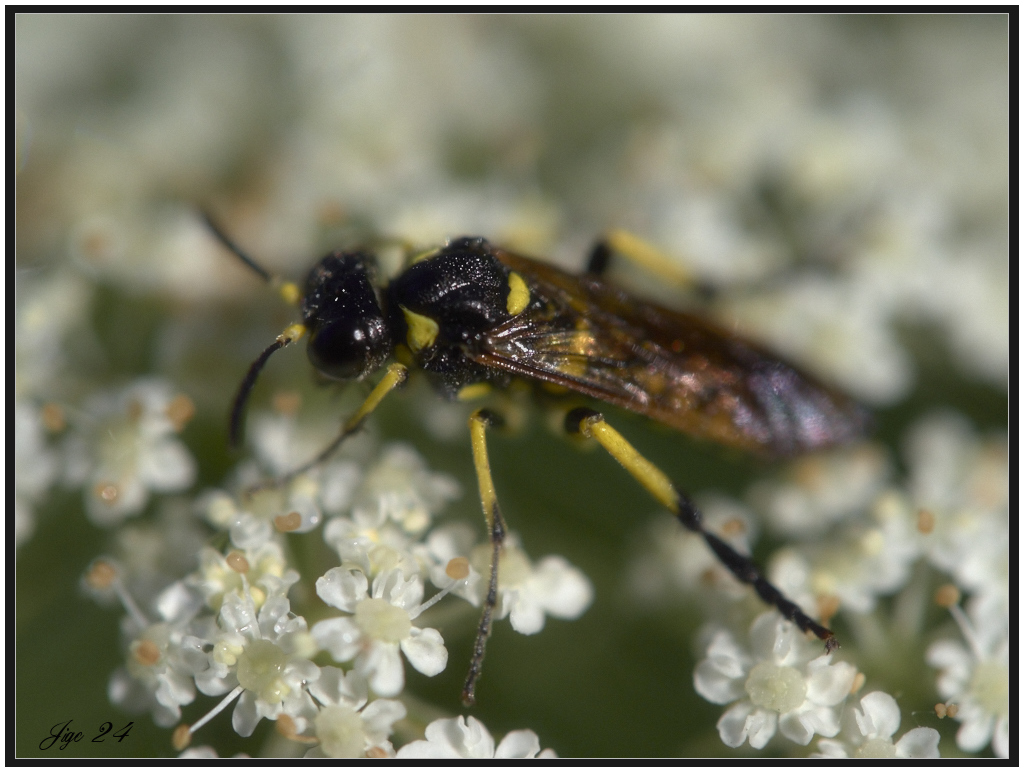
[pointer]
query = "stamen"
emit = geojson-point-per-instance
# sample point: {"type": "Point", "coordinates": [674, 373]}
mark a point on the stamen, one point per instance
{"type": "Point", "coordinates": [424, 606]}
{"type": "Point", "coordinates": [103, 575]}
{"type": "Point", "coordinates": [191, 730]}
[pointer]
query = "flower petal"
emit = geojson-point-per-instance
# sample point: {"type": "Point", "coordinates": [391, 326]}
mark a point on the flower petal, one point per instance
{"type": "Point", "coordinates": [732, 726]}
{"type": "Point", "coordinates": [829, 684]}
{"type": "Point", "coordinates": [879, 716]}
{"type": "Point", "coordinates": [425, 651]}
{"type": "Point", "coordinates": [382, 666]}
{"type": "Point", "coordinates": [920, 743]}
{"type": "Point", "coordinates": [561, 589]}
{"type": "Point", "coordinates": [342, 588]}
{"type": "Point", "coordinates": [246, 717]}
{"type": "Point", "coordinates": [520, 744]}
{"type": "Point", "coordinates": [526, 615]}
{"type": "Point", "coordinates": [379, 716]}
{"type": "Point", "coordinates": [976, 730]}
{"type": "Point", "coordinates": [334, 687]}
{"type": "Point", "coordinates": [338, 635]}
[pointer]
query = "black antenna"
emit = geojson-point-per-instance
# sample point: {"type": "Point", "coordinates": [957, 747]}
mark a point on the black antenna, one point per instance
{"type": "Point", "coordinates": [289, 335]}
{"type": "Point", "coordinates": [238, 406]}
{"type": "Point", "coordinates": [236, 250]}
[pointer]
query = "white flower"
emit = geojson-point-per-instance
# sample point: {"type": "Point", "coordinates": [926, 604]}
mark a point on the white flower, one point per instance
{"type": "Point", "coordinates": [264, 569]}
{"type": "Point", "coordinates": [461, 738]}
{"type": "Point", "coordinates": [379, 627]}
{"type": "Point", "coordinates": [345, 725]}
{"type": "Point", "coordinates": [260, 657]}
{"type": "Point", "coordinates": [869, 733]}
{"type": "Point", "coordinates": [162, 656]}
{"type": "Point", "coordinates": [371, 542]}
{"type": "Point", "coordinates": [526, 592]}
{"type": "Point", "coordinates": [291, 508]}
{"type": "Point", "coordinates": [780, 685]}
{"type": "Point", "coordinates": [977, 678]}
{"type": "Point", "coordinates": [130, 449]}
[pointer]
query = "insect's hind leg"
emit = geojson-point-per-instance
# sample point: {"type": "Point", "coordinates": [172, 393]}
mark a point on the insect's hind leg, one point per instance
{"type": "Point", "coordinates": [478, 424]}
{"type": "Point", "coordinates": [590, 423]}
{"type": "Point", "coordinates": [639, 252]}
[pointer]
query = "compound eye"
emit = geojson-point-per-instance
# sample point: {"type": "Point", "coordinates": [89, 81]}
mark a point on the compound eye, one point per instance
{"type": "Point", "coordinates": [348, 349]}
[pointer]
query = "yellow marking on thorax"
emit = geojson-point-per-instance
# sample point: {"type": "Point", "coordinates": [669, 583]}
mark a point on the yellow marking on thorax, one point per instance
{"type": "Point", "coordinates": [422, 330]}
{"type": "Point", "coordinates": [518, 294]}
{"type": "Point", "coordinates": [474, 391]}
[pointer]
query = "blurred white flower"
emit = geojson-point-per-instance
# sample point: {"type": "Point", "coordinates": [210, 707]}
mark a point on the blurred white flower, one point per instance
{"type": "Point", "coordinates": [128, 449]}
{"type": "Point", "coordinates": [976, 677]}
{"type": "Point", "coordinates": [35, 468]}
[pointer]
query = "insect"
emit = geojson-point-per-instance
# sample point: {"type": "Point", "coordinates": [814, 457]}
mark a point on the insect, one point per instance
{"type": "Point", "coordinates": [473, 315]}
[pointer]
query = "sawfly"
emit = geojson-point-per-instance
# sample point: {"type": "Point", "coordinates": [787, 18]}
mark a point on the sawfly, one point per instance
{"type": "Point", "coordinates": [474, 316]}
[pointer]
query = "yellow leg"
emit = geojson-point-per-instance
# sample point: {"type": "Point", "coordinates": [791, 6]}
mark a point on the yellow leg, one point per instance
{"type": "Point", "coordinates": [641, 253]}
{"type": "Point", "coordinates": [590, 423]}
{"type": "Point", "coordinates": [478, 423]}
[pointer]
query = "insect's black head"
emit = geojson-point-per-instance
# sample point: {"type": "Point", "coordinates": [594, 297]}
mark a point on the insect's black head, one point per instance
{"type": "Point", "coordinates": [349, 337]}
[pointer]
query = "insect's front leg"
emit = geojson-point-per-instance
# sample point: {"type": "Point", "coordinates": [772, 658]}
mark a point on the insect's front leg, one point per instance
{"type": "Point", "coordinates": [394, 377]}
{"type": "Point", "coordinates": [590, 423]}
{"type": "Point", "coordinates": [478, 424]}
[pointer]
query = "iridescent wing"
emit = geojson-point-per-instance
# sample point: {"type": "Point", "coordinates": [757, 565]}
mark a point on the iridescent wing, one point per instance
{"type": "Point", "coordinates": [594, 339]}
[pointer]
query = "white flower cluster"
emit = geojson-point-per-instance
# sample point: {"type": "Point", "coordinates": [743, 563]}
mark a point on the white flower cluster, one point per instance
{"type": "Point", "coordinates": [228, 627]}
{"type": "Point", "coordinates": [777, 159]}
{"type": "Point", "coordinates": [951, 517]}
